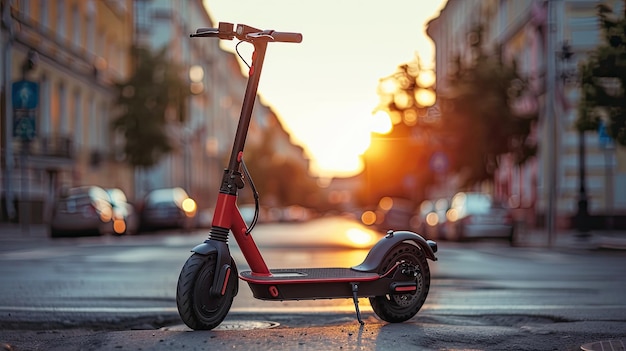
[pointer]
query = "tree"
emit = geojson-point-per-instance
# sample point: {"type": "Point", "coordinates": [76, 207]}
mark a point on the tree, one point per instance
{"type": "Point", "coordinates": [397, 161]}
{"type": "Point", "coordinates": [153, 96]}
{"type": "Point", "coordinates": [603, 78]}
{"type": "Point", "coordinates": [479, 122]}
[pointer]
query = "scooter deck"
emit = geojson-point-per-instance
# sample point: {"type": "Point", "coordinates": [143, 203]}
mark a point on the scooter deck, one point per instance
{"type": "Point", "coordinates": [315, 283]}
{"type": "Point", "coordinates": [309, 275]}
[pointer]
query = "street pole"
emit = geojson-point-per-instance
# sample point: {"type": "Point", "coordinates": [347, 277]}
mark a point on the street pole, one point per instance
{"type": "Point", "coordinates": [582, 215]}
{"type": "Point", "coordinates": [8, 107]}
{"type": "Point", "coordinates": [550, 122]}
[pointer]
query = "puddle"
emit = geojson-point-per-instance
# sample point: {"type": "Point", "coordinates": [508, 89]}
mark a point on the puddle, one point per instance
{"type": "Point", "coordinates": [231, 325]}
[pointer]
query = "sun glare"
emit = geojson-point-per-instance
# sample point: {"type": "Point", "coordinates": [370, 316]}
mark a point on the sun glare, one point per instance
{"type": "Point", "coordinates": [324, 90]}
{"type": "Point", "coordinates": [381, 123]}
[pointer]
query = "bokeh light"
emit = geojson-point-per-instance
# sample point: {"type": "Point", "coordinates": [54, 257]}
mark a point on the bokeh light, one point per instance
{"type": "Point", "coordinates": [381, 123]}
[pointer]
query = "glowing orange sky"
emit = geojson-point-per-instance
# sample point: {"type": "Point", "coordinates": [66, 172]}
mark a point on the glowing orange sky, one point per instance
{"type": "Point", "coordinates": [324, 89]}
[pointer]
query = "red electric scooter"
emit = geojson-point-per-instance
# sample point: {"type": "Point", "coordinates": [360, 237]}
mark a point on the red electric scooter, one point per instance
{"type": "Point", "coordinates": [394, 275]}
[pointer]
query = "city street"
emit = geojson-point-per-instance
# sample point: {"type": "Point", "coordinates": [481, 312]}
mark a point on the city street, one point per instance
{"type": "Point", "coordinates": [111, 293]}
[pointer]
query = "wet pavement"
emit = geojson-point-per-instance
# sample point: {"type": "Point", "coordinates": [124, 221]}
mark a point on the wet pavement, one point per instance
{"type": "Point", "coordinates": [451, 319]}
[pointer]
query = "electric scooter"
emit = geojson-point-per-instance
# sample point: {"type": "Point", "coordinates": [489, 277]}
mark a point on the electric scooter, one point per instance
{"type": "Point", "coordinates": [394, 275]}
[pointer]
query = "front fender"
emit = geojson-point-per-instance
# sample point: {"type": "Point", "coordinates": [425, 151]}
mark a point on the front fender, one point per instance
{"type": "Point", "coordinates": [205, 248]}
{"type": "Point", "coordinates": [378, 252]}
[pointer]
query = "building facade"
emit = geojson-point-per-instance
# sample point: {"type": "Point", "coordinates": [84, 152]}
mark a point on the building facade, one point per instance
{"type": "Point", "coordinates": [72, 50]}
{"type": "Point", "coordinates": [206, 138]}
{"type": "Point", "coordinates": [536, 33]}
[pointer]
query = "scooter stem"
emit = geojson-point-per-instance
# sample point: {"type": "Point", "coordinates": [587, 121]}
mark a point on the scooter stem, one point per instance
{"type": "Point", "coordinates": [248, 104]}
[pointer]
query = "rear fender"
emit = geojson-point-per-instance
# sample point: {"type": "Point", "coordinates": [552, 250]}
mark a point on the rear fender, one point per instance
{"type": "Point", "coordinates": [378, 252]}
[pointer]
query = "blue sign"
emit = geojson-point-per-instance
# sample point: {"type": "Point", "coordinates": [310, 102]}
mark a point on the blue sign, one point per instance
{"type": "Point", "coordinates": [25, 94]}
{"type": "Point", "coordinates": [605, 139]}
{"type": "Point", "coordinates": [25, 101]}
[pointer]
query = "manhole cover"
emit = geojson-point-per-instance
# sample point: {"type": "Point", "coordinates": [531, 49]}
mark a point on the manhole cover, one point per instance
{"type": "Point", "coordinates": [608, 345]}
{"type": "Point", "coordinates": [231, 325]}
{"type": "Point", "coordinates": [246, 325]}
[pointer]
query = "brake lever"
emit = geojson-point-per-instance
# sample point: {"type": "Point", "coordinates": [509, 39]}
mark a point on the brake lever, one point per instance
{"type": "Point", "coordinates": [263, 34]}
{"type": "Point", "coordinates": [205, 32]}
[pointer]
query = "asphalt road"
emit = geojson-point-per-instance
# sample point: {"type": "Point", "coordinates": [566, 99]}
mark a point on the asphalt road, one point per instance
{"type": "Point", "coordinates": [115, 293]}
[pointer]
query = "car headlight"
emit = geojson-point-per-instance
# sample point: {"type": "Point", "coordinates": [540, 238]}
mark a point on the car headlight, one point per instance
{"type": "Point", "coordinates": [189, 206]}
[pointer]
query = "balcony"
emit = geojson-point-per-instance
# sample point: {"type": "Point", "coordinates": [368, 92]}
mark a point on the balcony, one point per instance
{"type": "Point", "coordinates": [49, 151]}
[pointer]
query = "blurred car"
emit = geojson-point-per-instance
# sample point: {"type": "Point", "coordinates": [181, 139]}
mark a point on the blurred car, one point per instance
{"type": "Point", "coordinates": [430, 220]}
{"type": "Point", "coordinates": [476, 215]}
{"type": "Point", "coordinates": [84, 210]}
{"type": "Point", "coordinates": [392, 213]}
{"type": "Point", "coordinates": [168, 208]}
{"type": "Point", "coordinates": [125, 217]}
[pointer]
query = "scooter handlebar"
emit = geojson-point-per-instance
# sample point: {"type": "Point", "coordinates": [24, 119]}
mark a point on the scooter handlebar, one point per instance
{"type": "Point", "coordinates": [247, 33]}
{"type": "Point", "coordinates": [287, 37]}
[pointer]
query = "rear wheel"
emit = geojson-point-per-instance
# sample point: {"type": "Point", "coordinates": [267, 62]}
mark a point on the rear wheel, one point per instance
{"type": "Point", "coordinates": [197, 308]}
{"type": "Point", "coordinates": [396, 308]}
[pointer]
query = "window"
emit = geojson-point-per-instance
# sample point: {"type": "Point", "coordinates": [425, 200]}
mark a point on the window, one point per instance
{"type": "Point", "coordinates": [43, 13]}
{"type": "Point", "coordinates": [76, 25]}
{"type": "Point", "coordinates": [91, 27]}
{"type": "Point", "coordinates": [142, 15]}
{"type": "Point", "coordinates": [61, 25]}
{"type": "Point", "coordinates": [78, 119]}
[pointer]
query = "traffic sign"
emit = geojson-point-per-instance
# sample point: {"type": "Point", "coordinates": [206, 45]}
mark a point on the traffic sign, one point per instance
{"type": "Point", "coordinates": [605, 139]}
{"type": "Point", "coordinates": [25, 100]}
{"type": "Point", "coordinates": [25, 94]}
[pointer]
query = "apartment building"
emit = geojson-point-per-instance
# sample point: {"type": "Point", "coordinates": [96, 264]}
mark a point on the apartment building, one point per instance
{"type": "Point", "coordinates": [536, 33]}
{"type": "Point", "coordinates": [206, 138]}
{"type": "Point", "coordinates": [71, 51]}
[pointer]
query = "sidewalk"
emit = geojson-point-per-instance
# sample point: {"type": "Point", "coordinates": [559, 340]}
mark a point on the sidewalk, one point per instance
{"type": "Point", "coordinates": [572, 239]}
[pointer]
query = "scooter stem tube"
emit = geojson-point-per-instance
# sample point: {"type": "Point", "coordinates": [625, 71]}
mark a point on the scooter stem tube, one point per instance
{"type": "Point", "coordinates": [227, 215]}
{"type": "Point", "coordinates": [248, 104]}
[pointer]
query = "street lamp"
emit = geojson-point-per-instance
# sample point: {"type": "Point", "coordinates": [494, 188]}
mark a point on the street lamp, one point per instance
{"type": "Point", "coordinates": [581, 219]}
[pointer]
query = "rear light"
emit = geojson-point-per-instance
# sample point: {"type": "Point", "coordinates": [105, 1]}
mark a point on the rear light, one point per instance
{"type": "Point", "coordinates": [432, 219]}
{"type": "Point", "coordinates": [452, 215]}
{"type": "Point", "coordinates": [119, 226]}
{"type": "Point", "coordinates": [106, 213]}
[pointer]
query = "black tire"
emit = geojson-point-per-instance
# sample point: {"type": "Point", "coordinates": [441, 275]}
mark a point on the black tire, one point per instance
{"type": "Point", "coordinates": [398, 308]}
{"type": "Point", "coordinates": [197, 309]}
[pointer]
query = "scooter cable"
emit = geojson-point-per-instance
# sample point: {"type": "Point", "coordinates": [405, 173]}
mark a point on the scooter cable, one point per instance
{"type": "Point", "coordinates": [255, 193]}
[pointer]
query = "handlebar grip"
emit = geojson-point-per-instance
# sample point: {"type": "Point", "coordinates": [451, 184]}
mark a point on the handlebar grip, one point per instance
{"type": "Point", "coordinates": [205, 32]}
{"type": "Point", "coordinates": [287, 37]}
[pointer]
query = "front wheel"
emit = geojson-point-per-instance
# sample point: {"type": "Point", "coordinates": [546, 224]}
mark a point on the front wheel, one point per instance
{"type": "Point", "coordinates": [196, 307]}
{"type": "Point", "coordinates": [396, 308]}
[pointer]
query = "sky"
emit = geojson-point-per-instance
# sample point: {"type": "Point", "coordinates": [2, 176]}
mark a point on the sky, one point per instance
{"type": "Point", "coordinates": [324, 89]}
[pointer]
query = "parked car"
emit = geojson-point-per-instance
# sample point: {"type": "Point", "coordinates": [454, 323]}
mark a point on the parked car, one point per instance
{"type": "Point", "coordinates": [84, 210]}
{"type": "Point", "coordinates": [476, 215]}
{"type": "Point", "coordinates": [430, 219]}
{"type": "Point", "coordinates": [392, 213]}
{"type": "Point", "coordinates": [168, 208]}
{"type": "Point", "coordinates": [125, 217]}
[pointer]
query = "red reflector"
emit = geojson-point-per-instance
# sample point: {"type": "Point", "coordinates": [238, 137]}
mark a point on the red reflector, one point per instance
{"type": "Point", "coordinates": [225, 281]}
{"type": "Point", "coordinates": [405, 288]}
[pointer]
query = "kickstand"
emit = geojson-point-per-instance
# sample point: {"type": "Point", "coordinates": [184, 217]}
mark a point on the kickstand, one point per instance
{"type": "Point", "coordinates": [355, 298]}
